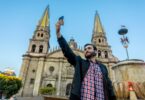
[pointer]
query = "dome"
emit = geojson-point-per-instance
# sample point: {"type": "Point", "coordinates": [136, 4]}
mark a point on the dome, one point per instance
{"type": "Point", "coordinates": [72, 43]}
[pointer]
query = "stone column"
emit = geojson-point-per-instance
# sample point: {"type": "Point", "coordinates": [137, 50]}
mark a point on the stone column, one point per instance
{"type": "Point", "coordinates": [113, 76]}
{"type": "Point", "coordinates": [59, 79]}
{"type": "Point", "coordinates": [38, 77]}
{"type": "Point", "coordinates": [111, 72]}
{"type": "Point", "coordinates": [23, 72]}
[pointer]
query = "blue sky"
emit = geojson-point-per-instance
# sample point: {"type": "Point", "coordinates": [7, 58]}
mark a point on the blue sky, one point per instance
{"type": "Point", "coordinates": [18, 20]}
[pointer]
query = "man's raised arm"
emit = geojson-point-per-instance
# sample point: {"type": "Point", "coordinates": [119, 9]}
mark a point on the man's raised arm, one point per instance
{"type": "Point", "coordinates": [68, 53]}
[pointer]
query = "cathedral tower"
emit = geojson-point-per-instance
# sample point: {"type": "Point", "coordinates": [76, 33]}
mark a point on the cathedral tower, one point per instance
{"type": "Point", "coordinates": [100, 40]}
{"type": "Point", "coordinates": [33, 61]}
{"type": "Point", "coordinates": [39, 44]}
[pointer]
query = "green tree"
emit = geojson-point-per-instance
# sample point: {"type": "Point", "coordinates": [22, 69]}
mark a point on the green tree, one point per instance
{"type": "Point", "coordinates": [10, 85]}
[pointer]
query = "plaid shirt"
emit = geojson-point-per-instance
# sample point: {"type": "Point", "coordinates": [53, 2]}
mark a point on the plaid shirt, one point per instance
{"type": "Point", "coordinates": [92, 86]}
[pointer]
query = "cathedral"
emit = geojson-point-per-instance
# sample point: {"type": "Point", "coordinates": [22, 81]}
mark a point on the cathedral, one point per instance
{"type": "Point", "coordinates": [42, 67]}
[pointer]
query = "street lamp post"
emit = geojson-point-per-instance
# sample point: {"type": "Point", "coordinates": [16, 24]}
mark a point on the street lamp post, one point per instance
{"type": "Point", "coordinates": [124, 40]}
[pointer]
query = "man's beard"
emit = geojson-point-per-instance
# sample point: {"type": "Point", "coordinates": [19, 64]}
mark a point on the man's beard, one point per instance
{"type": "Point", "coordinates": [92, 54]}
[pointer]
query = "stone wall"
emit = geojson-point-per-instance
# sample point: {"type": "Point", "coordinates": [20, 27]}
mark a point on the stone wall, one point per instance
{"type": "Point", "coordinates": [129, 70]}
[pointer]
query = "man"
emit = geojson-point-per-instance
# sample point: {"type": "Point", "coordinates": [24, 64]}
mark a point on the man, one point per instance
{"type": "Point", "coordinates": [91, 81]}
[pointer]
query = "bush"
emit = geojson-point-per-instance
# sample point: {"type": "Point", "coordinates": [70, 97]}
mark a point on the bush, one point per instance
{"type": "Point", "coordinates": [47, 90]}
{"type": "Point", "coordinates": [10, 85]}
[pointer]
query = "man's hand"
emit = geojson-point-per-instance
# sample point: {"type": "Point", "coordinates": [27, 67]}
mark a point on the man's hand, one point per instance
{"type": "Point", "coordinates": [58, 27]}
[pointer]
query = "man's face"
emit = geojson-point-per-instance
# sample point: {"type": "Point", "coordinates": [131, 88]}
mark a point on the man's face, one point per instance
{"type": "Point", "coordinates": [89, 51]}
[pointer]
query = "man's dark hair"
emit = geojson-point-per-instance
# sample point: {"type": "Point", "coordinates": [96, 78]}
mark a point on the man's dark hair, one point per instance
{"type": "Point", "coordinates": [91, 45]}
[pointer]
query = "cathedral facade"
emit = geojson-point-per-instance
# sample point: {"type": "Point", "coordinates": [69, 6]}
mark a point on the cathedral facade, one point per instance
{"type": "Point", "coordinates": [42, 67]}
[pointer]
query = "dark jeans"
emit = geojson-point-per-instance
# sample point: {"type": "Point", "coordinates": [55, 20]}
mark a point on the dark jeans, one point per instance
{"type": "Point", "coordinates": [74, 97]}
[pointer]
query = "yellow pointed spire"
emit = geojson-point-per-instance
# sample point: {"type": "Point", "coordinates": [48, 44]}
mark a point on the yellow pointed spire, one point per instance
{"type": "Point", "coordinates": [97, 25]}
{"type": "Point", "coordinates": [44, 22]}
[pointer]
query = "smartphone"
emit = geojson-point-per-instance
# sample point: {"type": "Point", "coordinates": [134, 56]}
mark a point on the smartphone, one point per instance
{"type": "Point", "coordinates": [61, 18]}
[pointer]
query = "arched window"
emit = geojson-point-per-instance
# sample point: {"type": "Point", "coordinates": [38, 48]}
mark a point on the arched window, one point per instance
{"type": "Point", "coordinates": [41, 35]}
{"type": "Point", "coordinates": [99, 40]}
{"type": "Point", "coordinates": [40, 48]}
{"type": "Point", "coordinates": [99, 53]}
{"type": "Point", "coordinates": [33, 48]}
{"type": "Point", "coordinates": [33, 70]}
{"type": "Point", "coordinates": [68, 88]}
{"type": "Point", "coordinates": [49, 85]}
{"type": "Point", "coordinates": [38, 34]}
{"type": "Point", "coordinates": [32, 80]}
{"type": "Point", "coordinates": [106, 54]}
